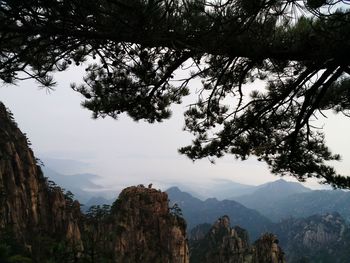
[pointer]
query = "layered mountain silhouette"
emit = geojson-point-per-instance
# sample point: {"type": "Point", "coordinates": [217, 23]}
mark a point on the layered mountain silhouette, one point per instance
{"type": "Point", "coordinates": [82, 185]}
{"type": "Point", "coordinates": [281, 199]}
{"type": "Point", "coordinates": [39, 220]}
{"type": "Point", "coordinates": [218, 188]}
{"type": "Point", "coordinates": [274, 200]}
{"type": "Point", "coordinates": [196, 211]}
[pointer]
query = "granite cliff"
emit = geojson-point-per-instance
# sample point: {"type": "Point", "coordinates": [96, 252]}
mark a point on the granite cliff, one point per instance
{"type": "Point", "coordinates": [196, 212]}
{"type": "Point", "coordinates": [318, 238]}
{"type": "Point", "coordinates": [31, 206]}
{"type": "Point", "coordinates": [47, 223]}
{"type": "Point", "coordinates": [139, 227]}
{"type": "Point", "coordinates": [148, 230]}
{"type": "Point", "coordinates": [266, 249]}
{"type": "Point", "coordinates": [231, 245]}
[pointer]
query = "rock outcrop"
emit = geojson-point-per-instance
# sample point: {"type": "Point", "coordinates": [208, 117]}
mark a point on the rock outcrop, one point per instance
{"type": "Point", "coordinates": [146, 229]}
{"type": "Point", "coordinates": [198, 232]}
{"type": "Point", "coordinates": [231, 245]}
{"type": "Point", "coordinates": [266, 249]}
{"type": "Point", "coordinates": [319, 238]}
{"type": "Point", "coordinates": [196, 212]}
{"type": "Point", "coordinates": [36, 212]}
{"type": "Point", "coordinates": [29, 204]}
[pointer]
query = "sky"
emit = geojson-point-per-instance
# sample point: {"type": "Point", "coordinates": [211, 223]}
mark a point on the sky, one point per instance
{"type": "Point", "coordinates": [123, 152]}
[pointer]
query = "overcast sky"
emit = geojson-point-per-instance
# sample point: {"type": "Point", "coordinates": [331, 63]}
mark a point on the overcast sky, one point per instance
{"type": "Point", "coordinates": [124, 152]}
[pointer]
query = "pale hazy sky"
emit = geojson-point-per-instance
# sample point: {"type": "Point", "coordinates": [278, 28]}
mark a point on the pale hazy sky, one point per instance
{"type": "Point", "coordinates": [124, 152]}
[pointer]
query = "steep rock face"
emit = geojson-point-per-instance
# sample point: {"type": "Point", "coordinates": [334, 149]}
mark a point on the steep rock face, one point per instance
{"type": "Point", "coordinates": [146, 230]}
{"type": "Point", "coordinates": [48, 224]}
{"type": "Point", "coordinates": [319, 238]}
{"type": "Point", "coordinates": [328, 229]}
{"type": "Point", "coordinates": [199, 232]}
{"type": "Point", "coordinates": [231, 245]}
{"type": "Point", "coordinates": [29, 205]}
{"type": "Point", "coordinates": [266, 249]}
{"type": "Point", "coordinates": [221, 244]}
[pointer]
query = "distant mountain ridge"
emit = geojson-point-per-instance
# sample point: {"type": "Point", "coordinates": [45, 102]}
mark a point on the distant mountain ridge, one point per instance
{"type": "Point", "coordinates": [227, 189]}
{"type": "Point", "coordinates": [265, 196]}
{"type": "Point", "coordinates": [274, 200]}
{"type": "Point", "coordinates": [282, 187]}
{"type": "Point", "coordinates": [141, 227]}
{"type": "Point", "coordinates": [314, 202]}
{"type": "Point", "coordinates": [281, 199]}
{"type": "Point", "coordinates": [78, 183]}
{"type": "Point", "coordinates": [196, 211]}
{"type": "Point", "coordinates": [219, 188]}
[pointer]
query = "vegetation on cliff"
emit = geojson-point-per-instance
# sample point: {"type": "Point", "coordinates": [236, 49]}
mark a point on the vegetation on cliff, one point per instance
{"type": "Point", "coordinates": [231, 245]}
{"type": "Point", "coordinates": [318, 238]}
{"type": "Point", "coordinates": [39, 215]}
{"type": "Point", "coordinates": [40, 222]}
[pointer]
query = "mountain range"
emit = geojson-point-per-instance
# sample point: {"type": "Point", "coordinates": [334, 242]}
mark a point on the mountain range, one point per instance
{"type": "Point", "coordinates": [40, 220]}
{"type": "Point", "coordinates": [219, 188]}
{"type": "Point", "coordinates": [196, 211]}
{"type": "Point", "coordinates": [267, 204]}
{"type": "Point", "coordinates": [81, 185]}
{"type": "Point", "coordinates": [274, 201]}
{"type": "Point", "coordinates": [281, 199]}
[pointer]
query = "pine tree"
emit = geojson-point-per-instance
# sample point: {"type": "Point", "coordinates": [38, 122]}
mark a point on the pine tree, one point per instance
{"type": "Point", "coordinates": [297, 51]}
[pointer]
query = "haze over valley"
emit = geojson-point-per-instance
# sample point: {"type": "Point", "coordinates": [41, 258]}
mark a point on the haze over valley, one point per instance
{"type": "Point", "coordinates": [174, 131]}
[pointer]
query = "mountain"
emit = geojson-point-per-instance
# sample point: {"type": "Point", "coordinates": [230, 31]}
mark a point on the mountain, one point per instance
{"type": "Point", "coordinates": [270, 192]}
{"type": "Point", "coordinates": [81, 185]}
{"type": "Point", "coordinates": [198, 212]}
{"type": "Point", "coordinates": [144, 229]}
{"type": "Point", "coordinates": [310, 203]}
{"type": "Point", "coordinates": [224, 244]}
{"type": "Point", "coordinates": [315, 239]}
{"type": "Point", "coordinates": [219, 188]}
{"type": "Point", "coordinates": [318, 238]}
{"type": "Point", "coordinates": [281, 199]}
{"type": "Point", "coordinates": [265, 196]}
{"type": "Point", "coordinates": [185, 200]}
{"type": "Point", "coordinates": [33, 212]}
{"type": "Point", "coordinates": [39, 222]}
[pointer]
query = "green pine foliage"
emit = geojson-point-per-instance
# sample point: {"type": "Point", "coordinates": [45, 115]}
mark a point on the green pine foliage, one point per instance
{"type": "Point", "coordinates": [295, 51]}
{"type": "Point", "coordinates": [11, 251]}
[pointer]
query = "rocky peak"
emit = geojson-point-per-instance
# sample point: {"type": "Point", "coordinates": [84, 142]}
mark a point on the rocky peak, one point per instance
{"type": "Point", "coordinates": [318, 238]}
{"type": "Point", "coordinates": [147, 230]}
{"type": "Point", "coordinates": [140, 226]}
{"type": "Point", "coordinates": [231, 245]}
{"type": "Point", "coordinates": [266, 249]}
{"type": "Point", "coordinates": [323, 230]}
{"type": "Point", "coordinates": [313, 232]}
{"type": "Point", "coordinates": [223, 223]}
